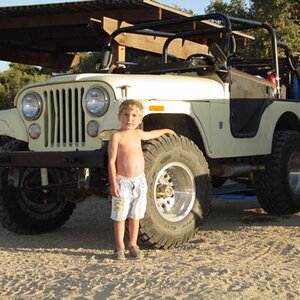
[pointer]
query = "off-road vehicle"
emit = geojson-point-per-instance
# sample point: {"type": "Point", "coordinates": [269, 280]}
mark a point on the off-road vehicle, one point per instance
{"type": "Point", "coordinates": [230, 120]}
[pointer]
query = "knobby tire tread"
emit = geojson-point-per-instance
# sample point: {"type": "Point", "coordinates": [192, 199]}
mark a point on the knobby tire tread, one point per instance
{"type": "Point", "coordinates": [169, 143]}
{"type": "Point", "coordinates": [271, 192]}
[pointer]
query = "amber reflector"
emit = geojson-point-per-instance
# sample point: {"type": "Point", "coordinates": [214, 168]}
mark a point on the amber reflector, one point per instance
{"type": "Point", "coordinates": [156, 108]}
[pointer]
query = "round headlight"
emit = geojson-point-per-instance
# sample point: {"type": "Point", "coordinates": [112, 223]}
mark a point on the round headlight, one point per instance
{"type": "Point", "coordinates": [97, 101]}
{"type": "Point", "coordinates": [31, 106]}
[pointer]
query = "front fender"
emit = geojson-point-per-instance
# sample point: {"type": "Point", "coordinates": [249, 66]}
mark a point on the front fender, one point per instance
{"type": "Point", "coordinates": [12, 125]}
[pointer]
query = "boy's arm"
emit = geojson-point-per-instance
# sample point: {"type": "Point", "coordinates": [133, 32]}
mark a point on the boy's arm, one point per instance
{"type": "Point", "coordinates": [153, 134]}
{"type": "Point", "coordinates": [112, 170]}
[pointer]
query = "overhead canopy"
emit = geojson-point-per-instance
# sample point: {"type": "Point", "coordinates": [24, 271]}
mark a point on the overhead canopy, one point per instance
{"type": "Point", "coordinates": [50, 34]}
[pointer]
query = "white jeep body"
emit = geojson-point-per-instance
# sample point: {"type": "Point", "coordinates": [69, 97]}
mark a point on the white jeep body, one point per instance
{"type": "Point", "coordinates": [230, 120]}
{"type": "Point", "coordinates": [204, 100]}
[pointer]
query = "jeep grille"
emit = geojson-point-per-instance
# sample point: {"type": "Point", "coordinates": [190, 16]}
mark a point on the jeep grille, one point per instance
{"type": "Point", "coordinates": [64, 117]}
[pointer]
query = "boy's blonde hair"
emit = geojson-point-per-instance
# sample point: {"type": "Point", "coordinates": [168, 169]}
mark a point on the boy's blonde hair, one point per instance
{"type": "Point", "coordinates": [132, 104]}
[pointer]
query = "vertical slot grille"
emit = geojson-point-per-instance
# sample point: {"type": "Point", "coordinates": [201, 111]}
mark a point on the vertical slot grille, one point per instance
{"type": "Point", "coordinates": [64, 118]}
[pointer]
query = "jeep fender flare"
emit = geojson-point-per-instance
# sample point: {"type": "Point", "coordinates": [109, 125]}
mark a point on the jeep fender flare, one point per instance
{"type": "Point", "coordinates": [12, 125]}
{"type": "Point", "coordinates": [182, 123]}
{"type": "Point", "coordinates": [276, 119]}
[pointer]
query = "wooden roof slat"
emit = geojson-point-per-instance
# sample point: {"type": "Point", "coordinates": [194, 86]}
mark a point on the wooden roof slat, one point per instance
{"type": "Point", "coordinates": [136, 15]}
{"type": "Point", "coordinates": [179, 48]}
{"type": "Point", "coordinates": [40, 58]}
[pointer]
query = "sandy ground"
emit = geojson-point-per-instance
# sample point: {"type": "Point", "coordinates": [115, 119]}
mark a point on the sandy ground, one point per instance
{"type": "Point", "coordinates": [241, 253]}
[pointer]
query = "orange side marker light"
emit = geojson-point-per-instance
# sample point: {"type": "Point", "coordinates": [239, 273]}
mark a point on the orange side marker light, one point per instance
{"type": "Point", "coordinates": [156, 108]}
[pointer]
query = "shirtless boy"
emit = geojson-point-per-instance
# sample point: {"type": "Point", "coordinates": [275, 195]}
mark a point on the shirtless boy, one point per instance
{"type": "Point", "coordinates": [126, 175]}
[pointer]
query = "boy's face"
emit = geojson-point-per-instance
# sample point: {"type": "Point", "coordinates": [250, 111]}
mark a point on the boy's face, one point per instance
{"type": "Point", "coordinates": [130, 118]}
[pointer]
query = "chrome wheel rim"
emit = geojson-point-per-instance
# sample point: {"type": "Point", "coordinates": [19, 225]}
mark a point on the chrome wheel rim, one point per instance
{"type": "Point", "coordinates": [174, 191]}
{"type": "Point", "coordinates": [294, 172]}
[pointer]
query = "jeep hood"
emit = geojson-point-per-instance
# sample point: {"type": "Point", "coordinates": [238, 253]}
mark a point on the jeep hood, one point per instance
{"type": "Point", "coordinates": [150, 87]}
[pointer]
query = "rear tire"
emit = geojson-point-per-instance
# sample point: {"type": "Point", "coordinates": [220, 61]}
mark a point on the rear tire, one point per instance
{"type": "Point", "coordinates": [179, 191]}
{"type": "Point", "coordinates": [278, 187]}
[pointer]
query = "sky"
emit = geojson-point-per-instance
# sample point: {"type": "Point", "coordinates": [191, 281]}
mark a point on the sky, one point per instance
{"type": "Point", "coordinates": [197, 6]}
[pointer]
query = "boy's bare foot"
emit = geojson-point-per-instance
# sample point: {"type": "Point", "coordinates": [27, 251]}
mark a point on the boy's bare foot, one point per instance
{"type": "Point", "coordinates": [119, 254]}
{"type": "Point", "coordinates": [135, 252]}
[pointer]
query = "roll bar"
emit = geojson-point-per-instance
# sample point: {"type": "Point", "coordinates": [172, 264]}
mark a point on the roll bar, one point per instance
{"type": "Point", "coordinates": [148, 29]}
{"type": "Point", "coordinates": [229, 24]}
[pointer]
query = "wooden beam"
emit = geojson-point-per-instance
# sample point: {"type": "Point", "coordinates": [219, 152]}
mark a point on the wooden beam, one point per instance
{"type": "Point", "coordinates": [119, 53]}
{"type": "Point", "coordinates": [57, 61]}
{"type": "Point", "coordinates": [135, 15]}
{"type": "Point", "coordinates": [53, 39]}
{"type": "Point", "coordinates": [179, 48]}
{"type": "Point", "coordinates": [51, 20]}
{"type": "Point", "coordinates": [35, 36]}
{"type": "Point", "coordinates": [167, 8]}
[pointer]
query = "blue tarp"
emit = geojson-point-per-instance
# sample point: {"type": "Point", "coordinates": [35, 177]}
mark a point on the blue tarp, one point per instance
{"type": "Point", "coordinates": [235, 191]}
{"type": "Point", "coordinates": [234, 196]}
{"type": "Point", "coordinates": [296, 90]}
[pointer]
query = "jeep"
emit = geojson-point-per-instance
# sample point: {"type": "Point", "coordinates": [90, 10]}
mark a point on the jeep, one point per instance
{"type": "Point", "coordinates": [231, 120]}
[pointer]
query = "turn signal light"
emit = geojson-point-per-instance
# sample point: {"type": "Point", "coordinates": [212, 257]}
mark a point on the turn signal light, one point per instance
{"type": "Point", "coordinates": [156, 108]}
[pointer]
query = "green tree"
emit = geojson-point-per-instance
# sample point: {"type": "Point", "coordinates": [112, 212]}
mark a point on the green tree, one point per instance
{"type": "Point", "coordinates": [12, 80]}
{"type": "Point", "coordinates": [188, 11]}
{"type": "Point", "coordinates": [87, 63]}
{"type": "Point", "coordinates": [236, 8]}
{"type": "Point", "coordinates": [285, 18]}
{"type": "Point", "coordinates": [89, 60]}
{"type": "Point", "coordinates": [283, 15]}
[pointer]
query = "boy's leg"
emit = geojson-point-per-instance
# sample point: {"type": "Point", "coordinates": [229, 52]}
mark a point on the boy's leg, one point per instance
{"type": "Point", "coordinates": [119, 229]}
{"type": "Point", "coordinates": [133, 228]}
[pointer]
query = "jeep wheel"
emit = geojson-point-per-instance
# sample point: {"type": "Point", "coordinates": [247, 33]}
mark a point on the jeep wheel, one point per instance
{"type": "Point", "coordinates": [179, 191]}
{"type": "Point", "coordinates": [278, 187]}
{"type": "Point", "coordinates": [29, 210]}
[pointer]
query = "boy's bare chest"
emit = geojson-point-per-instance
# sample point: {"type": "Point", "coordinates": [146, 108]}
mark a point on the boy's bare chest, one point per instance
{"type": "Point", "coordinates": [130, 144]}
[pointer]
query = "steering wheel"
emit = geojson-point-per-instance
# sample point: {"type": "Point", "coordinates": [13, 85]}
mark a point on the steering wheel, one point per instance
{"type": "Point", "coordinates": [201, 55]}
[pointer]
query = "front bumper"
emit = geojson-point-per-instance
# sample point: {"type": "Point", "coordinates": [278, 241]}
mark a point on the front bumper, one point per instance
{"type": "Point", "coordinates": [74, 159]}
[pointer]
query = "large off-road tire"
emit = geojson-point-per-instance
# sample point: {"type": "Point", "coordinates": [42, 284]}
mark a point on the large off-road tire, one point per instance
{"type": "Point", "coordinates": [26, 210]}
{"type": "Point", "coordinates": [278, 187]}
{"type": "Point", "coordinates": [179, 191]}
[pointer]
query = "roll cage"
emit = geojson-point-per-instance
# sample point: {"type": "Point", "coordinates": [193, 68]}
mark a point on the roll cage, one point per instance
{"type": "Point", "coordinates": [221, 54]}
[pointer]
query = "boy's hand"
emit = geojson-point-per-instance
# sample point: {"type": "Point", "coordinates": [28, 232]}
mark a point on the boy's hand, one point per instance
{"type": "Point", "coordinates": [153, 134]}
{"type": "Point", "coordinates": [115, 190]}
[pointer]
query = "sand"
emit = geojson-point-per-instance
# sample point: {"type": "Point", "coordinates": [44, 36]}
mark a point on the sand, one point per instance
{"type": "Point", "coordinates": [241, 253]}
